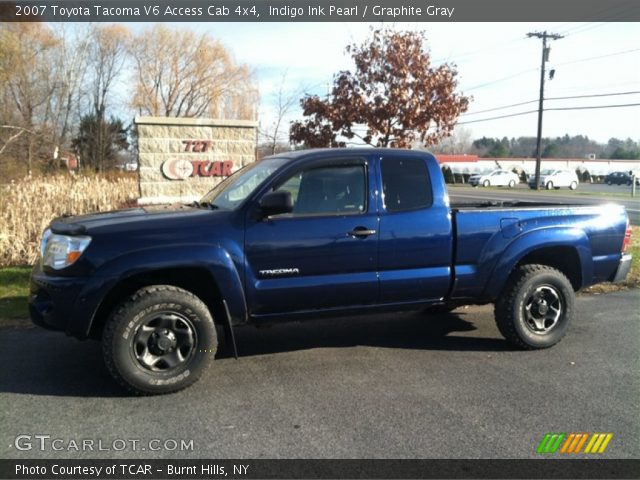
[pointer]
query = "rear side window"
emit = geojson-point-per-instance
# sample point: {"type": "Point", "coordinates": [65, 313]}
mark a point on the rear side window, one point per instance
{"type": "Point", "coordinates": [405, 184]}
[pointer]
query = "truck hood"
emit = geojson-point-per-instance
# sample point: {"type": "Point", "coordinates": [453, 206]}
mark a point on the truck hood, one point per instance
{"type": "Point", "coordinates": [126, 219]}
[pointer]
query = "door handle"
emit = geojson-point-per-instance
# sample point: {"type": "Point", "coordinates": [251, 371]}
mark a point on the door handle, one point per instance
{"type": "Point", "coordinates": [362, 232]}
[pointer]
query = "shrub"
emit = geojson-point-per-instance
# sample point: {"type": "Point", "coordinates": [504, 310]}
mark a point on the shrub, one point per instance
{"type": "Point", "coordinates": [448, 174]}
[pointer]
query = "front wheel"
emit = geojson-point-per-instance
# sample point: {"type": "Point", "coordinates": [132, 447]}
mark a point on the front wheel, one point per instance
{"type": "Point", "coordinates": [535, 308]}
{"type": "Point", "coordinates": [512, 184]}
{"type": "Point", "coordinates": [573, 185]}
{"type": "Point", "coordinates": [549, 185]}
{"type": "Point", "coordinates": [486, 183]}
{"type": "Point", "coordinates": [159, 341]}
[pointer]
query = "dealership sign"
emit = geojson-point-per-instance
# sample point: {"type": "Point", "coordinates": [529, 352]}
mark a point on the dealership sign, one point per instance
{"type": "Point", "coordinates": [183, 158]}
{"type": "Point", "coordinates": [180, 168]}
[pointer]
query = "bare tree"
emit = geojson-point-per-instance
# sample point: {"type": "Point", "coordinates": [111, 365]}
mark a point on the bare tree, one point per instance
{"type": "Point", "coordinates": [69, 72]}
{"type": "Point", "coordinates": [283, 102]}
{"type": "Point", "coordinates": [26, 57]}
{"type": "Point", "coordinates": [109, 52]}
{"type": "Point", "coordinates": [458, 142]}
{"type": "Point", "coordinates": [15, 133]}
{"type": "Point", "coordinates": [179, 73]}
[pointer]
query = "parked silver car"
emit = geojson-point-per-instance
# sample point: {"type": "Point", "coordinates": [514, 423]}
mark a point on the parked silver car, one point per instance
{"type": "Point", "coordinates": [551, 179]}
{"type": "Point", "coordinates": [497, 178]}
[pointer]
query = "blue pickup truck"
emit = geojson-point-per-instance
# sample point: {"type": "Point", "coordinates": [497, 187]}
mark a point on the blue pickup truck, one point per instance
{"type": "Point", "coordinates": [308, 234]}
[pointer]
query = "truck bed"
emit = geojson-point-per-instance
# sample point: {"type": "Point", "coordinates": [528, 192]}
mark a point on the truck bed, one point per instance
{"type": "Point", "coordinates": [488, 234]}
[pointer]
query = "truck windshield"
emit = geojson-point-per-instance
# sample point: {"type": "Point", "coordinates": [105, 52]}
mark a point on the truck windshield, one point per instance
{"type": "Point", "coordinates": [232, 191]}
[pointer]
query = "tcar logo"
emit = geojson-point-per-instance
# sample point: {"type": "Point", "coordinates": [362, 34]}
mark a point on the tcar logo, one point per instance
{"type": "Point", "coordinates": [181, 169]}
{"type": "Point", "coordinates": [177, 169]}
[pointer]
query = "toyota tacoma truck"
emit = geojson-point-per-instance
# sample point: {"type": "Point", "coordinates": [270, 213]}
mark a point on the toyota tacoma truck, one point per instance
{"type": "Point", "coordinates": [307, 234]}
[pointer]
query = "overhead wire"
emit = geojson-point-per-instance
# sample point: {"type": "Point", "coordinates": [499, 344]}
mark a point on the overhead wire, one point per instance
{"type": "Point", "coordinates": [504, 107]}
{"type": "Point", "coordinates": [587, 107]}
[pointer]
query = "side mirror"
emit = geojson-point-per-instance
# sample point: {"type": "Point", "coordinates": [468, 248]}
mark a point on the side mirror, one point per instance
{"type": "Point", "coordinates": [275, 203]}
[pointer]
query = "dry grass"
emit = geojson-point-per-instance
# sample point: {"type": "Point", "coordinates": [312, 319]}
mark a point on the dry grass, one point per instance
{"type": "Point", "coordinates": [28, 205]}
{"type": "Point", "coordinates": [633, 279]}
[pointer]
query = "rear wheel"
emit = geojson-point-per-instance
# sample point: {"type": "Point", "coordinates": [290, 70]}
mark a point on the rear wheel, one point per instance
{"type": "Point", "coordinates": [159, 341]}
{"type": "Point", "coordinates": [549, 185]}
{"type": "Point", "coordinates": [573, 185]}
{"type": "Point", "coordinates": [535, 308]}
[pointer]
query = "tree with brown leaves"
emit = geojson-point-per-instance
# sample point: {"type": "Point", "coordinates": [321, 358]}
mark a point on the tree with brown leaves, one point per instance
{"type": "Point", "coordinates": [394, 98]}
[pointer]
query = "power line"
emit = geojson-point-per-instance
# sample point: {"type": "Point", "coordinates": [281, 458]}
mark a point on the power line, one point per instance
{"type": "Point", "coordinates": [580, 30]}
{"type": "Point", "coordinates": [499, 108]}
{"type": "Point", "coordinates": [595, 106]}
{"type": "Point", "coordinates": [498, 117]}
{"type": "Point", "coordinates": [607, 55]}
{"type": "Point", "coordinates": [549, 109]}
{"type": "Point", "coordinates": [457, 56]}
{"type": "Point", "coordinates": [550, 98]}
{"type": "Point", "coordinates": [509, 77]}
{"type": "Point", "coordinates": [594, 95]}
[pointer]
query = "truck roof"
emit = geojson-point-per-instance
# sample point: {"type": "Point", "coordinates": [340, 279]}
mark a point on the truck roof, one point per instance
{"type": "Point", "coordinates": [339, 152]}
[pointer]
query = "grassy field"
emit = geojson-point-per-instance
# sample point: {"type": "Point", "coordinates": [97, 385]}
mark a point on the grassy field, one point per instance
{"type": "Point", "coordinates": [14, 286]}
{"type": "Point", "coordinates": [14, 289]}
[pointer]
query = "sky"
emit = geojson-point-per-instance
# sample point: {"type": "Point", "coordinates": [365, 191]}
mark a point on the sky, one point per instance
{"type": "Point", "coordinates": [497, 65]}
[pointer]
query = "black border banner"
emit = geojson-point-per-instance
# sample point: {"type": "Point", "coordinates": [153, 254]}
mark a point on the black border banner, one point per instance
{"type": "Point", "coordinates": [320, 469]}
{"type": "Point", "coordinates": [320, 10]}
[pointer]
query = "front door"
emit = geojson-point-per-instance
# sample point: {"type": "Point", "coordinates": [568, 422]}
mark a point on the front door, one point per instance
{"type": "Point", "coordinates": [323, 255]}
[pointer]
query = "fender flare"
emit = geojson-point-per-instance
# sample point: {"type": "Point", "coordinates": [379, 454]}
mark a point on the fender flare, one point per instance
{"type": "Point", "coordinates": [212, 258]}
{"type": "Point", "coordinates": [527, 243]}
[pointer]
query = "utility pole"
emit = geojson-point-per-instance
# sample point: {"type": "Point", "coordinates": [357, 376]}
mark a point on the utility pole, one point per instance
{"type": "Point", "coordinates": [545, 58]}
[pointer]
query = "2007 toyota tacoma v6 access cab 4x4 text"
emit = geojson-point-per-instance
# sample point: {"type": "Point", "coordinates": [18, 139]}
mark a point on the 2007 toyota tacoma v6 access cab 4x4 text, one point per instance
{"type": "Point", "coordinates": [312, 233]}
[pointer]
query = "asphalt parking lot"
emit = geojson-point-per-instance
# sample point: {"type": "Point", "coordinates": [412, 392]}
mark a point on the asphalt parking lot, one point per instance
{"type": "Point", "coordinates": [586, 194]}
{"type": "Point", "coordinates": [388, 386]}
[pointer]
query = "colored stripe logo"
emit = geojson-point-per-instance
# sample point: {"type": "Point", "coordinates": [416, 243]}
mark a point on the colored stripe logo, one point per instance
{"type": "Point", "coordinates": [574, 443]}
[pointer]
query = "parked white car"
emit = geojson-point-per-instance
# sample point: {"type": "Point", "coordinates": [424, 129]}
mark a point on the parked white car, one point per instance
{"type": "Point", "coordinates": [551, 179]}
{"type": "Point", "coordinates": [497, 178]}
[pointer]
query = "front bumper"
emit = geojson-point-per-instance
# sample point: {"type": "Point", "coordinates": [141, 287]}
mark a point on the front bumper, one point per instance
{"type": "Point", "coordinates": [623, 268]}
{"type": "Point", "coordinates": [52, 299]}
{"type": "Point", "coordinates": [66, 303]}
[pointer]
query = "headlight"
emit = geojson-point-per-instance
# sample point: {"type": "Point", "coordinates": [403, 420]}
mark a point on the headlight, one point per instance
{"type": "Point", "coordinates": [43, 243]}
{"type": "Point", "coordinates": [60, 251]}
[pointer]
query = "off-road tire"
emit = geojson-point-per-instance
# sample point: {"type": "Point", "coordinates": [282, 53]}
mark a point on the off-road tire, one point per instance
{"type": "Point", "coordinates": [121, 329]}
{"type": "Point", "coordinates": [510, 313]}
